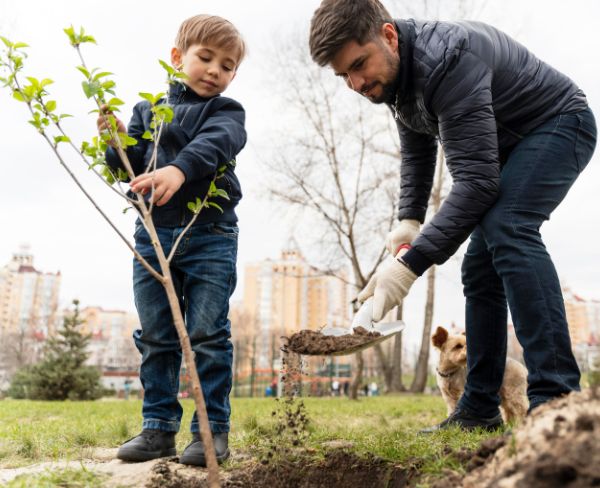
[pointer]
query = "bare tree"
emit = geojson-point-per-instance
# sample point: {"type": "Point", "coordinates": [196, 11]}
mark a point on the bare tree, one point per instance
{"type": "Point", "coordinates": [325, 166]}
{"type": "Point", "coordinates": [422, 366]}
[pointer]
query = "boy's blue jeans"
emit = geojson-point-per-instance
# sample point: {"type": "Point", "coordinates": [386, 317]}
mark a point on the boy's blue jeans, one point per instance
{"type": "Point", "coordinates": [204, 275]}
{"type": "Point", "coordinates": [507, 261]}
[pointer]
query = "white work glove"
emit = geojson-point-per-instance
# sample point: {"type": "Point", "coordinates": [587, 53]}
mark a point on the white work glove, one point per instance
{"type": "Point", "coordinates": [405, 233]}
{"type": "Point", "coordinates": [388, 286]}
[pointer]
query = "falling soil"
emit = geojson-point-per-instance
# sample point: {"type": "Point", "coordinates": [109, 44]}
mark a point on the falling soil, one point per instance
{"type": "Point", "coordinates": [558, 445]}
{"type": "Point", "coordinates": [315, 343]}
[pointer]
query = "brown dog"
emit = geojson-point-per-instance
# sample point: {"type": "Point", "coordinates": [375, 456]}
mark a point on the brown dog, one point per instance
{"type": "Point", "coordinates": [452, 375]}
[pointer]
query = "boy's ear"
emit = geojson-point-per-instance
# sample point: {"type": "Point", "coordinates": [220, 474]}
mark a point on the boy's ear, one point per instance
{"type": "Point", "coordinates": [440, 337]}
{"type": "Point", "coordinates": [176, 58]}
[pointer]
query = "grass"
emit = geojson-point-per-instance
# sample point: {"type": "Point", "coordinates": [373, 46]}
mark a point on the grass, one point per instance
{"type": "Point", "coordinates": [71, 478]}
{"type": "Point", "coordinates": [385, 426]}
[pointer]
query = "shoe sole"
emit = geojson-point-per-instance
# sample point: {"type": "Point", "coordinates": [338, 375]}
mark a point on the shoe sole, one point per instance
{"type": "Point", "coordinates": [141, 456]}
{"type": "Point", "coordinates": [200, 460]}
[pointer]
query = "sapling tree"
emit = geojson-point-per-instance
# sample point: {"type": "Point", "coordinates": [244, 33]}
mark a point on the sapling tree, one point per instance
{"type": "Point", "coordinates": [49, 123]}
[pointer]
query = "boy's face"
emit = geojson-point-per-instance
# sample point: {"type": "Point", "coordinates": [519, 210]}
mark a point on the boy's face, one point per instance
{"type": "Point", "coordinates": [209, 69]}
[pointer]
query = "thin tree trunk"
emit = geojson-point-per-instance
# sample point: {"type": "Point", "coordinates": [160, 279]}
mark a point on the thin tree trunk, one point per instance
{"type": "Point", "coordinates": [357, 379]}
{"type": "Point", "coordinates": [422, 368]}
{"type": "Point", "coordinates": [397, 384]}
{"type": "Point", "coordinates": [190, 363]}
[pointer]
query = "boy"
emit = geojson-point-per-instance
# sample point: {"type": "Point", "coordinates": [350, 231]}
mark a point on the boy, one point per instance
{"type": "Point", "coordinates": [207, 131]}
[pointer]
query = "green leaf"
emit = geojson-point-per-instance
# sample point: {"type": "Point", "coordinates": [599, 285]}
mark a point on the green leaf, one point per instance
{"type": "Point", "coordinates": [115, 101]}
{"type": "Point", "coordinates": [101, 75]}
{"type": "Point", "coordinates": [122, 174]}
{"type": "Point", "coordinates": [19, 45]}
{"type": "Point", "coordinates": [147, 96]}
{"type": "Point", "coordinates": [6, 42]}
{"type": "Point", "coordinates": [85, 72]}
{"type": "Point", "coordinates": [50, 106]}
{"type": "Point", "coordinates": [127, 209]}
{"type": "Point", "coordinates": [18, 96]}
{"type": "Point", "coordinates": [222, 193]}
{"type": "Point", "coordinates": [59, 139]}
{"type": "Point", "coordinates": [168, 68]}
{"type": "Point", "coordinates": [147, 135]}
{"type": "Point", "coordinates": [217, 206]}
{"type": "Point", "coordinates": [192, 207]}
{"type": "Point", "coordinates": [91, 89]}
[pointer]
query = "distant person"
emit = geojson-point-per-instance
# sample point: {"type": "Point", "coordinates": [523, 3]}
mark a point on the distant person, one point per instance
{"type": "Point", "coordinates": [516, 133]}
{"type": "Point", "coordinates": [335, 388]}
{"type": "Point", "coordinates": [126, 388]}
{"type": "Point", "coordinates": [207, 132]}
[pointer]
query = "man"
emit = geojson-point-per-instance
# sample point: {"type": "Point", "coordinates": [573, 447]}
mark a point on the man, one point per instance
{"type": "Point", "coordinates": [516, 133]}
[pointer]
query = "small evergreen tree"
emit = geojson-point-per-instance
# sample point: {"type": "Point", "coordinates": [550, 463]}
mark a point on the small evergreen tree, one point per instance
{"type": "Point", "coordinates": [62, 373]}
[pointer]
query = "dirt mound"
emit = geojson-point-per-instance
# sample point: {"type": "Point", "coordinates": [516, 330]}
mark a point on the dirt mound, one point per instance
{"type": "Point", "coordinates": [313, 342]}
{"type": "Point", "coordinates": [558, 445]}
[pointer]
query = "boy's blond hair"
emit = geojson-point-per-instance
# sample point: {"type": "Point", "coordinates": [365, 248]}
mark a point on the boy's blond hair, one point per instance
{"type": "Point", "coordinates": [211, 30]}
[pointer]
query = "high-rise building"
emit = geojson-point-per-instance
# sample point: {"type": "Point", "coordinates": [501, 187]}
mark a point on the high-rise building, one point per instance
{"type": "Point", "coordinates": [111, 345]}
{"type": "Point", "coordinates": [28, 297]}
{"type": "Point", "coordinates": [286, 295]}
{"type": "Point", "coordinates": [577, 317]}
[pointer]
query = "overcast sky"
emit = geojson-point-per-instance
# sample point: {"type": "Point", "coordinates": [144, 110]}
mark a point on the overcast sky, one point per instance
{"type": "Point", "coordinates": [40, 206]}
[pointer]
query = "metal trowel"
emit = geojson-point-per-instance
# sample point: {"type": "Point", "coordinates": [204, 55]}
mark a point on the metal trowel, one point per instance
{"type": "Point", "coordinates": [364, 318]}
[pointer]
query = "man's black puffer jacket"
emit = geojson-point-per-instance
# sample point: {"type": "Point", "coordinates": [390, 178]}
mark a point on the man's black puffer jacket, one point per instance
{"type": "Point", "coordinates": [478, 91]}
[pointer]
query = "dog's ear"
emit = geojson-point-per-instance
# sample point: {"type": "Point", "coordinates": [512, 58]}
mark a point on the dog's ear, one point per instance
{"type": "Point", "coordinates": [440, 337]}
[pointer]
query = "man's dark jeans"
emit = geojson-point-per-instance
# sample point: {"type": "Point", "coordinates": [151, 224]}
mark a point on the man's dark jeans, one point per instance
{"type": "Point", "coordinates": [506, 261]}
{"type": "Point", "coordinates": [204, 274]}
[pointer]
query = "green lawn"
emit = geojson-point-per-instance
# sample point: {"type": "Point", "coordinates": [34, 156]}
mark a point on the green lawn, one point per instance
{"type": "Point", "coordinates": [385, 426]}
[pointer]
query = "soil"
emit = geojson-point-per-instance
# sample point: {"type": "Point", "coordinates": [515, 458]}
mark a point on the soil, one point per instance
{"type": "Point", "coordinates": [558, 445]}
{"type": "Point", "coordinates": [315, 343]}
{"type": "Point", "coordinates": [338, 468]}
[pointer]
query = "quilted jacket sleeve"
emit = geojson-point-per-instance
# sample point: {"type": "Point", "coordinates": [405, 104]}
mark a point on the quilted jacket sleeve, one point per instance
{"type": "Point", "coordinates": [461, 99]}
{"type": "Point", "coordinates": [221, 137]}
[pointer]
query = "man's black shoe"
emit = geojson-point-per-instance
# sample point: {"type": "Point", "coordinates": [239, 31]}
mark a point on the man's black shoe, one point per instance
{"type": "Point", "coordinates": [465, 420]}
{"type": "Point", "coordinates": [149, 444]}
{"type": "Point", "coordinates": [194, 452]}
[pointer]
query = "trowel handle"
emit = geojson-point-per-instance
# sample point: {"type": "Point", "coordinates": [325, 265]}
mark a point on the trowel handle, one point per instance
{"type": "Point", "coordinates": [364, 315]}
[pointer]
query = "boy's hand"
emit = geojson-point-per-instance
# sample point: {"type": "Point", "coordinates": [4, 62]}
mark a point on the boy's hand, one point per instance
{"type": "Point", "coordinates": [103, 125]}
{"type": "Point", "coordinates": [166, 182]}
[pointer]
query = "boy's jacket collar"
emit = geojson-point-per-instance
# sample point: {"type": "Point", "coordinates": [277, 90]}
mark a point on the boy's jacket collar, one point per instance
{"type": "Point", "coordinates": [179, 92]}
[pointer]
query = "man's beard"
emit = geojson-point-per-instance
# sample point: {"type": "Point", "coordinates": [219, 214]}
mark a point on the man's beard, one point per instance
{"type": "Point", "coordinates": [390, 87]}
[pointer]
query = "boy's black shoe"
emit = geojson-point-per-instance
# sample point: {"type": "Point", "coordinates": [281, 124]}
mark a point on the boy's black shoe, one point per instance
{"type": "Point", "coordinates": [467, 421]}
{"type": "Point", "coordinates": [149, 444]}
{"type": "Point", "coordinates": [194, 452]}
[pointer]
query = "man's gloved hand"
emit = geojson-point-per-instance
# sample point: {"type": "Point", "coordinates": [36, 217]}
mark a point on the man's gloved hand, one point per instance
{"type": "Point", "coordinates": [405, 233]}
{"type": "Point", "coordinates": [388, 287]}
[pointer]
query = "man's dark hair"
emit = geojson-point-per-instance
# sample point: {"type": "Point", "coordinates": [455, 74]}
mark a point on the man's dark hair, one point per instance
{"type": "Point", "coordinates": [336, 22]}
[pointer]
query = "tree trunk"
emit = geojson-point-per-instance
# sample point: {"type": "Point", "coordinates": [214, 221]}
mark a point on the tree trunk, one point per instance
{"type": "Point", "coordinates": [397, 384]}
{"type": "Point", "coordinates": [357, 379]}
{"type": "Point", "coordinates": [422, 368]}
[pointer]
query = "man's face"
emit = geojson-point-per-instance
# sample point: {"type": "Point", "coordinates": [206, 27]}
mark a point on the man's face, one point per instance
{"type": "Point", "coordinates": [210, 69]}
{"type": "Point", "coordinates": [370, 69]}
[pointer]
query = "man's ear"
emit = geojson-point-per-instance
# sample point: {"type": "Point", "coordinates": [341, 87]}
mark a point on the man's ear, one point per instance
{"type": "Point", "coordinates": [176, 58]}
{"type": "Point", "coordinates": [390, 35]}
{"type": "Point", "coordinates": [440, 337]}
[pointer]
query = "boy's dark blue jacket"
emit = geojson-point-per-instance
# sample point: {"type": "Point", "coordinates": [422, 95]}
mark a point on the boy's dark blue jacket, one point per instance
{"type": "Point", "coordinates": [205, 134]}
